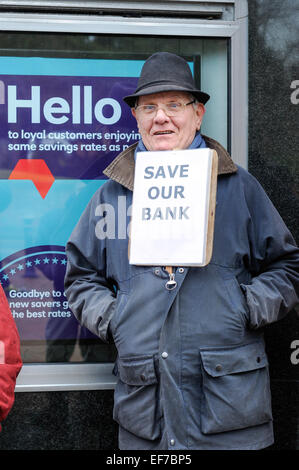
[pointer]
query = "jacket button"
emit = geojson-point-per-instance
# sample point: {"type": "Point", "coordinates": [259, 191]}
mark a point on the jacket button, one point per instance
{"type": "Point", "coordinates": [143, 378]}
{"type": "Point", "coordinates": [258, 359]}
{"type": "Point", "coordinates": [172, 442]}
{"type": "Point", "coordinates": [218, 368]}
{"type": "Point", "coordinates": [164, 355]}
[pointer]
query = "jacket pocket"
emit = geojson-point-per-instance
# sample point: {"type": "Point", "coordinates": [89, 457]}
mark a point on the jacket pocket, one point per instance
{"type": "Point", "coordinates": [238, 300]}
{"type": "Point", "coordinates": [136, 397]}
{"type": "Point", "coordinates": [120, 305]}
{"type": "Point", "coordinates": [236, 388]}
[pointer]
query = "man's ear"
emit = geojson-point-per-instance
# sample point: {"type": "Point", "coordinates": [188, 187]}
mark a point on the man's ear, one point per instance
{"type": "Point", "coordinates": [133, 111]}
{"type": "Point", "coordinates": [200, 111]}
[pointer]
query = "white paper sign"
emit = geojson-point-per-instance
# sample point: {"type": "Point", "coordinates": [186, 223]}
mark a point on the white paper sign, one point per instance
{"type": "Point", "coordinates": [171, 207]}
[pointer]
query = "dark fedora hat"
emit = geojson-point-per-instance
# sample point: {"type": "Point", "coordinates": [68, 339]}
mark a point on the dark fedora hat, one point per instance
{"type": "Point", "coordinates": [164, 71]}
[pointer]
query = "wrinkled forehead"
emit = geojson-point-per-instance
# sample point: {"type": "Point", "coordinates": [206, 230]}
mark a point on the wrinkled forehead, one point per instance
{"type": "Point", "coordinates": [164, 96]}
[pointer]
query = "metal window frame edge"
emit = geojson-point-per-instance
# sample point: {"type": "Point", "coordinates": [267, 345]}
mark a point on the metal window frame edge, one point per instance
{"type": "Point", "coordinates": [239, 86]}
{"type": "Point", "coordinates": [90, 376]}
{"type": "Point", "coordinates": [65, 377]}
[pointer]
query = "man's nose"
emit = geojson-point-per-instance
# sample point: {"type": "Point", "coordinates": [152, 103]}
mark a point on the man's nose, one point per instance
{"type": "Point", "coordinates": [161, 116]}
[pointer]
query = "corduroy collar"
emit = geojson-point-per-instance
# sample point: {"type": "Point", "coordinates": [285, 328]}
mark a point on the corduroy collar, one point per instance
{"type": "Point", "coordinates": [121, 169]}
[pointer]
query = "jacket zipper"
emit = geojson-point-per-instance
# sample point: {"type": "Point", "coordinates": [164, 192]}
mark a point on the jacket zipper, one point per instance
{"type": "Point", "coordinates": [171, 283]}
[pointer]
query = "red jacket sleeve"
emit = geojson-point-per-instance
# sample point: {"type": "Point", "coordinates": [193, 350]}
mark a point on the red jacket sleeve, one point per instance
{"type": "Point", "coordinates": [10, 357]}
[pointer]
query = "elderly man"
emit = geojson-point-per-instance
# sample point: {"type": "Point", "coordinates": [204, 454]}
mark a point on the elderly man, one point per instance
{"type": "Point", "coordinates": [192, 369]}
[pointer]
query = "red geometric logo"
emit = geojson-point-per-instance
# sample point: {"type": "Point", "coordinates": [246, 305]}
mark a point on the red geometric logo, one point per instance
{"type": "Point", "coordinates": [35, 170]}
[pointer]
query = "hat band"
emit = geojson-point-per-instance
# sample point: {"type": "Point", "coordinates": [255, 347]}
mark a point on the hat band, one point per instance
{"type": "Point", "coordinates": [162, 82]}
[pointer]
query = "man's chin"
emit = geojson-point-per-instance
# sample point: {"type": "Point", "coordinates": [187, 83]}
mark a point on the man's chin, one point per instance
{"type": "Point", "coordinates": [168, 144]}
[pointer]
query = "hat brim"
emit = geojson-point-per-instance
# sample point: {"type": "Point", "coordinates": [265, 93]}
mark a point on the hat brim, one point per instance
{"type": "Point", "coordinates": [199, 95]}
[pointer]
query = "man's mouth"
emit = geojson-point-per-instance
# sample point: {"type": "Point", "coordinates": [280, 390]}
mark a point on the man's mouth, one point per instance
{"type": "Point", "coordinates": [163, 132]}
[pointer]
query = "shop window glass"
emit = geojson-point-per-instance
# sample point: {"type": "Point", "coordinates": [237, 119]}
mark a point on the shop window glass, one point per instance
{"type": "Point", "coordinates": [62, 122]}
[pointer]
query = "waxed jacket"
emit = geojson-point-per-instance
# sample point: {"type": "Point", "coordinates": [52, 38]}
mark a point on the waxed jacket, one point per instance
{"type": "Point", "coordinates": [10, 357]}
{"type": "Point", "coordinates": [192, 369]}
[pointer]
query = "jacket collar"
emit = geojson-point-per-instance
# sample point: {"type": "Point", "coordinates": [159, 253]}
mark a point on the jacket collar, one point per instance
{"type": "Point", "coordinates": [121, 169]}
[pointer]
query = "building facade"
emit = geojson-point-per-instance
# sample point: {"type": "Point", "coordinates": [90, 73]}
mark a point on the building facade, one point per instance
{"type": "Point", "coordinates": [64, 67]}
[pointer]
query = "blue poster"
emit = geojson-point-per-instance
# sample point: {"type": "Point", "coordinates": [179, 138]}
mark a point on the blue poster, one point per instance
{"type": "Point", "coordinates": [62, 123]}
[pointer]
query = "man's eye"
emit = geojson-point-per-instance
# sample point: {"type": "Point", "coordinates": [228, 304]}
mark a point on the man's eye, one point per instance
{"type": "Point", "coordinates": [173, 105]}
{"type": "Point", "coordinates": [149, 107]}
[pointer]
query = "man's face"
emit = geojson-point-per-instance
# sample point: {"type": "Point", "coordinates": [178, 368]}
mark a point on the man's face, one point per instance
{"type": "Point", "coordinates": [162, 132]}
